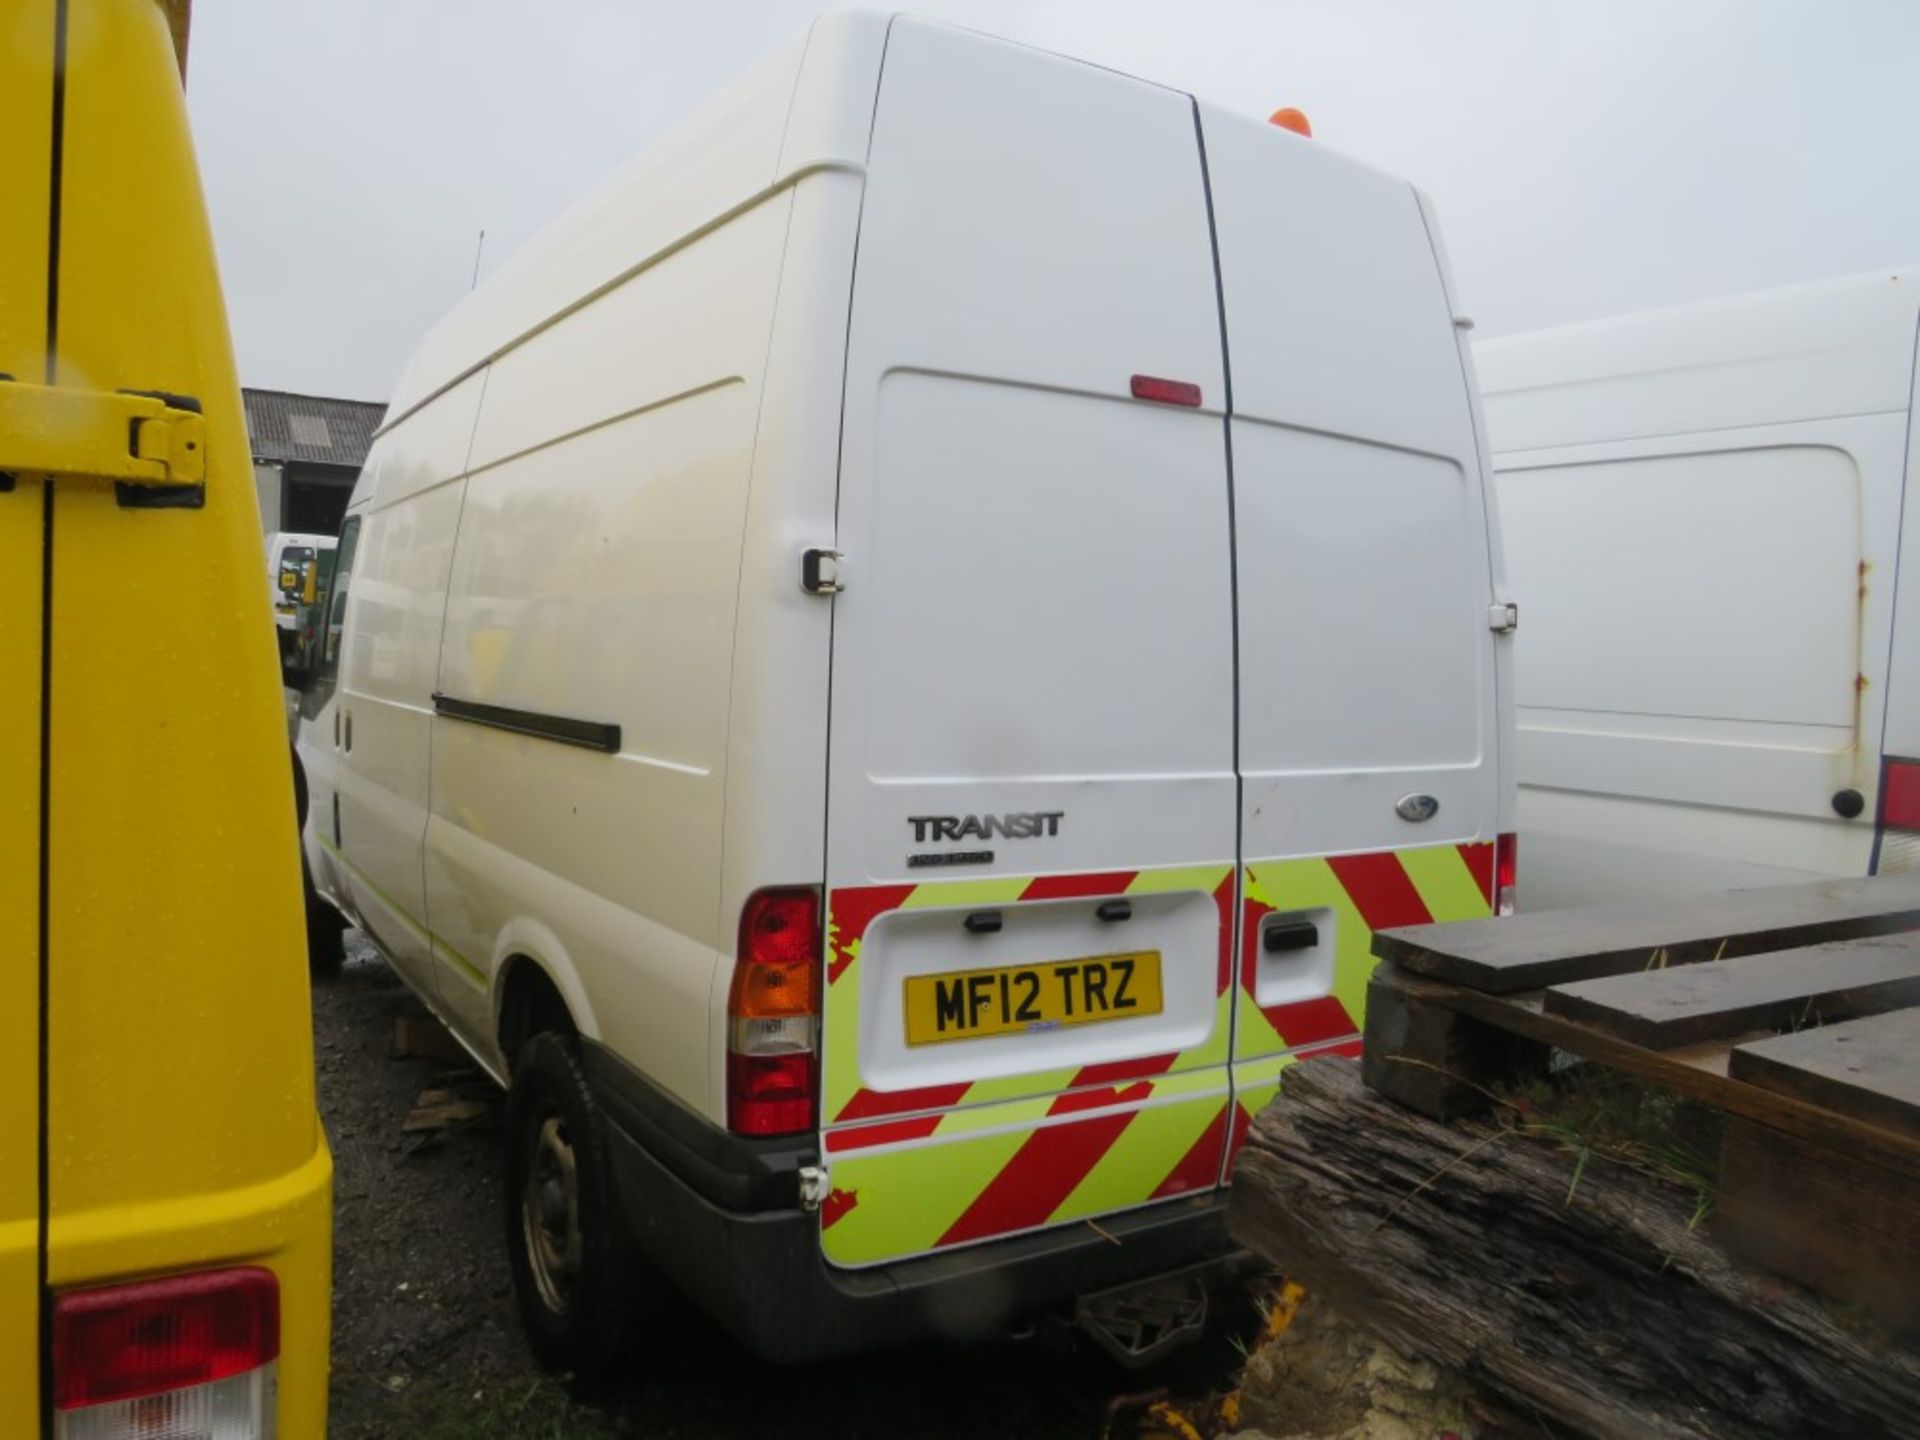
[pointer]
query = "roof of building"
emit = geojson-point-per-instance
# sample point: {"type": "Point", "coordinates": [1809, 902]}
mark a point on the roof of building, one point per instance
{"type": "Point", "coordinates": [313, 429]}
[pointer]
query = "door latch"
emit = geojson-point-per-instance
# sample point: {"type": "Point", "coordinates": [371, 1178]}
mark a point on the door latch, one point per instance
{"type": "Point", "coordinates": [820, 572]}
{"type": "Point", "coordinates": [1503, 619]}
{"type": "Point", "coordinates": [151, 445]}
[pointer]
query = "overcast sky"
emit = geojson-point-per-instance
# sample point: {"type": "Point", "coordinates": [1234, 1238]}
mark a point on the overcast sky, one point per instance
{"type": "Point", "coordinates": [1586, 158]}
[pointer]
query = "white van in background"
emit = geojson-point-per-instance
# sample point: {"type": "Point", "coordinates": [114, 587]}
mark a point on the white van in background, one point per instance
{"type": "Point", "coordinates": [882, 674]}
{"type": "Point", "coordinates": [1719, 660]}
{"type": "Point", "coordinates": [288, 556]}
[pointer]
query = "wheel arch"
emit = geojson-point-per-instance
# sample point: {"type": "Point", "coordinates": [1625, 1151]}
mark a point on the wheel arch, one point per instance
{"type": "Point", "coordinates": [535, 988]}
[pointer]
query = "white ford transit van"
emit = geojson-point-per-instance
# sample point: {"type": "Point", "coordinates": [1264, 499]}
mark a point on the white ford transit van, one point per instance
{"type": "Point", "coordinates": [1719, 668]}
{"type": "Point", "coordinates": [882, 674]}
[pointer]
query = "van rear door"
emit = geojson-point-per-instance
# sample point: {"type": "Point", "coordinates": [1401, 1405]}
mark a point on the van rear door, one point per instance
{"type": "Point", "coordinates": [1368, 732]}
{"type": "Point", "coordinates": [26, 111]}
{"type": "Point", "coordinates": [1030, 835]}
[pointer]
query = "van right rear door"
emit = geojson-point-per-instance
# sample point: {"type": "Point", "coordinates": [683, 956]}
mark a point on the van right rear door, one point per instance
{"type": "Point", "coordinates": [1031, 810]}
{"type": "Point", "coordinates": [1362, 557]}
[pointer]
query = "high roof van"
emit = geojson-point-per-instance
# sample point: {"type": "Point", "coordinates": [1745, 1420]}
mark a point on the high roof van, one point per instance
{"type": "Point", "coordinates": [882, 674]}
{"type": "Point", "coordinates": [1713, 532]}
{"type": "Point", "coordinates": [165, 1186]}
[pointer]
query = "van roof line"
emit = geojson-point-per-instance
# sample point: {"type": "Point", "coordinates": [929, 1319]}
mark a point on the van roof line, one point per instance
{"type": "Point", "coordinates": [586, 298]}
{"type": "Point", "coordinates": [806, 109]}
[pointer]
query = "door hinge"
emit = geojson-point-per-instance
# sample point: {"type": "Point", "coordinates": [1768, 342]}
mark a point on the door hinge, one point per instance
{"type": "Point", "coordinates": [151, 445]}
{"type": "Point", "coordinates": [1503, 619]}
{"type": "Point", "coordinates": [820, 572]}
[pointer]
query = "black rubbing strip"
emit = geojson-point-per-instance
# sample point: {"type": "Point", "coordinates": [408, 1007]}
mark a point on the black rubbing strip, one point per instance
{"type": "Point", "coordinates": [587, 734]}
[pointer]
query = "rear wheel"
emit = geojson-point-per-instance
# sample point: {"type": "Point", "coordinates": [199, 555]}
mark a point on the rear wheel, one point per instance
{"type": "Point", "coordinates": [572, 1265]}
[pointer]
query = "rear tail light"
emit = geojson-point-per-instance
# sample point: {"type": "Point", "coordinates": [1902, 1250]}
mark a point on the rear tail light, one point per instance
{"type": "Point", "coordinates": [186, 1358]}
{"type": "Point", "coordinates": [1506, 872]}
{"type": "Point", "coordinates": [1897, 845]}
{"type": "Point", "coordinates": [773, 1015]}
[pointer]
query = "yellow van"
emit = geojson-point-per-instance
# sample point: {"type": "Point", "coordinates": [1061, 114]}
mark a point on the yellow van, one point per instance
{"type": "Point", "coordinates": [164, 1182]}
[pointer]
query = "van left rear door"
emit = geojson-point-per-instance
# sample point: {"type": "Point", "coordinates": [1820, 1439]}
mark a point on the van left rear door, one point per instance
{"type": "Point", "coordinates": [1030, 833]}
{"type": "Point", "coordinates": [26, 117]}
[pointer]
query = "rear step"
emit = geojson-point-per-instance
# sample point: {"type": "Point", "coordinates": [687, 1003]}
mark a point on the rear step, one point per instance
{"type": "Point", "coordinates": [1141, 1322]}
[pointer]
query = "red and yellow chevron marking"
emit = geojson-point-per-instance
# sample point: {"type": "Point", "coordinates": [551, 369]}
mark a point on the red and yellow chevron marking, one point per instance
{"type": "Point", "coordinates": [1365, 893]}
{"type": "Point", "coordinates": [915, 1170]}
{"type": "Point", "coordinates": [851, 911]}
{"type": "Point", "coordinates": [997, 1169]}
{"type": "Point", "coordinates": [940, 1165]}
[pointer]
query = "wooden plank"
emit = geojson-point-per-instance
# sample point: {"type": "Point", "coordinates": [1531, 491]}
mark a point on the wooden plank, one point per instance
{"type": "Point", "coordinates": [1579, 1293]}
{"type": "Point", "coordinates": [1723, 999]}
{"type": "Point", "coordinates": [1786, 1113]}
{"type": "Point", "coordinates": [1432, 1059]}
{"type": "Point", "coordinates": [1869, 1068]}
{"type": "Point", "coordinates": [423, 1037]}
{"type": "Point", "coordinates": [1553, 947]}
{"type": "Point", "coordinates": [1828, 1218]}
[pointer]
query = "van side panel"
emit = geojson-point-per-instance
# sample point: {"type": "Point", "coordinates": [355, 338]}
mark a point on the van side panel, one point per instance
{"type": "Point", "coordinates": [26, 118]}
{"type": "Point", "coordinates": [396, 598]}
{"type": "Point", "coordinates": [595, 580]}
{"type": "Point", "coordinates": [1366, 666]}
{"type": "Point", "coordinates": [1037, 622]}
{"type": "Point", "coordinates": [1702, 510]}
{"type": "Point", "coordinates": [180, 1064]}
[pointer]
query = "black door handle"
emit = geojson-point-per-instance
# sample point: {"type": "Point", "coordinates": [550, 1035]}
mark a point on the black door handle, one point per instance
{"type": "Point", "coordinates": [1290, 935]}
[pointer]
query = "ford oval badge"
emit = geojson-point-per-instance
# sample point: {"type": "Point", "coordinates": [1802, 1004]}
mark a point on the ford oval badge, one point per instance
{"type": "Point", "coordinates": [1417, 807]}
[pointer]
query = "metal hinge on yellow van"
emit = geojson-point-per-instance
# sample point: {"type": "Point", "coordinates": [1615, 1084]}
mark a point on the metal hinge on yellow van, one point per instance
{"type": "Point", "coordinates": [151, 445]}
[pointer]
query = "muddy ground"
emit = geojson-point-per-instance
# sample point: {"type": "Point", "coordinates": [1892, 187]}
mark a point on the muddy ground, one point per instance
{"type": "Point", "coordinates": [427, 1346]}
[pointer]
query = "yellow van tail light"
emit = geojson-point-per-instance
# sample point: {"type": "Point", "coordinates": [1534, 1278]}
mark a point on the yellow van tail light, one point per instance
{"type": "Point", "coordinates": [189, 1357]}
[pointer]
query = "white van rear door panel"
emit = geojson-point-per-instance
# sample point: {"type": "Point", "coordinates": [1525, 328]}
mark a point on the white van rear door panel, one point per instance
{"type": "Point", "coordinates": [1361, 548]}
{"type": "Point", "coordinates": [1032, 671]}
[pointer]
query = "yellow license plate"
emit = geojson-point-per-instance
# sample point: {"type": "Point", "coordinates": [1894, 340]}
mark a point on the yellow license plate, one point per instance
{"type": "Point", "coordinates": [968, 1004]}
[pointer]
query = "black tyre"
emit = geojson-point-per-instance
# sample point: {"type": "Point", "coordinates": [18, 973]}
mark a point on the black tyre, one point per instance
{"type": "Point", "coordinates": [572, 1264]}
{"type": "Point", "coordinates": [326, 931]}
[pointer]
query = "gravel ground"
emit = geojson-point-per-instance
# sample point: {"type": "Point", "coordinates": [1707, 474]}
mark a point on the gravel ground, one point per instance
{"type": "Point", "coordinates": [426, 1343]}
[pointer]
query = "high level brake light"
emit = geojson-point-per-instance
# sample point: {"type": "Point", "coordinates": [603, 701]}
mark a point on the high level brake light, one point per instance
{"type": "Point", "coordinates": [190, 1357]}
{"type": "Point", "coordinates": [1506, 872]}
{"type": "Point", "coordinates": [1896, 848]}
{"type": "Point", "coordinates": [1164, 391]}
{"type": "Point", "coordinates": [773, 1015]}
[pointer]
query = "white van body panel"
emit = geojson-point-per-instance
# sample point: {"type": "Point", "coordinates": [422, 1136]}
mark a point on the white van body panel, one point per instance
{"type": "Point", "coordinates": [730, 153]}
{"type": "Point", "coordinates": [776, 798]}
{"type": "Point", "coordinates": [598, 563]}
{"type": "Point", "coordinates": [1703, 516]}
{"type": "Point", "coordinates": [408, 504]}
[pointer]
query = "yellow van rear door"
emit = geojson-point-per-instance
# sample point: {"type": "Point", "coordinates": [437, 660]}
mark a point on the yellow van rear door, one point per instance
{"type": "Point", "coordinates": [26, 119]}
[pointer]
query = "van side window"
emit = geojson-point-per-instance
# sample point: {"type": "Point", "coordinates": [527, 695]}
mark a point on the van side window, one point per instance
{"type": "Point", "coordinates": [337, 605]}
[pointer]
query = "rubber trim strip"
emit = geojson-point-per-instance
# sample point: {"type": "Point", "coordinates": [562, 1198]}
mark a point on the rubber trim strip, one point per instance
{"type": "Point", "coordinates": [587, 734]}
